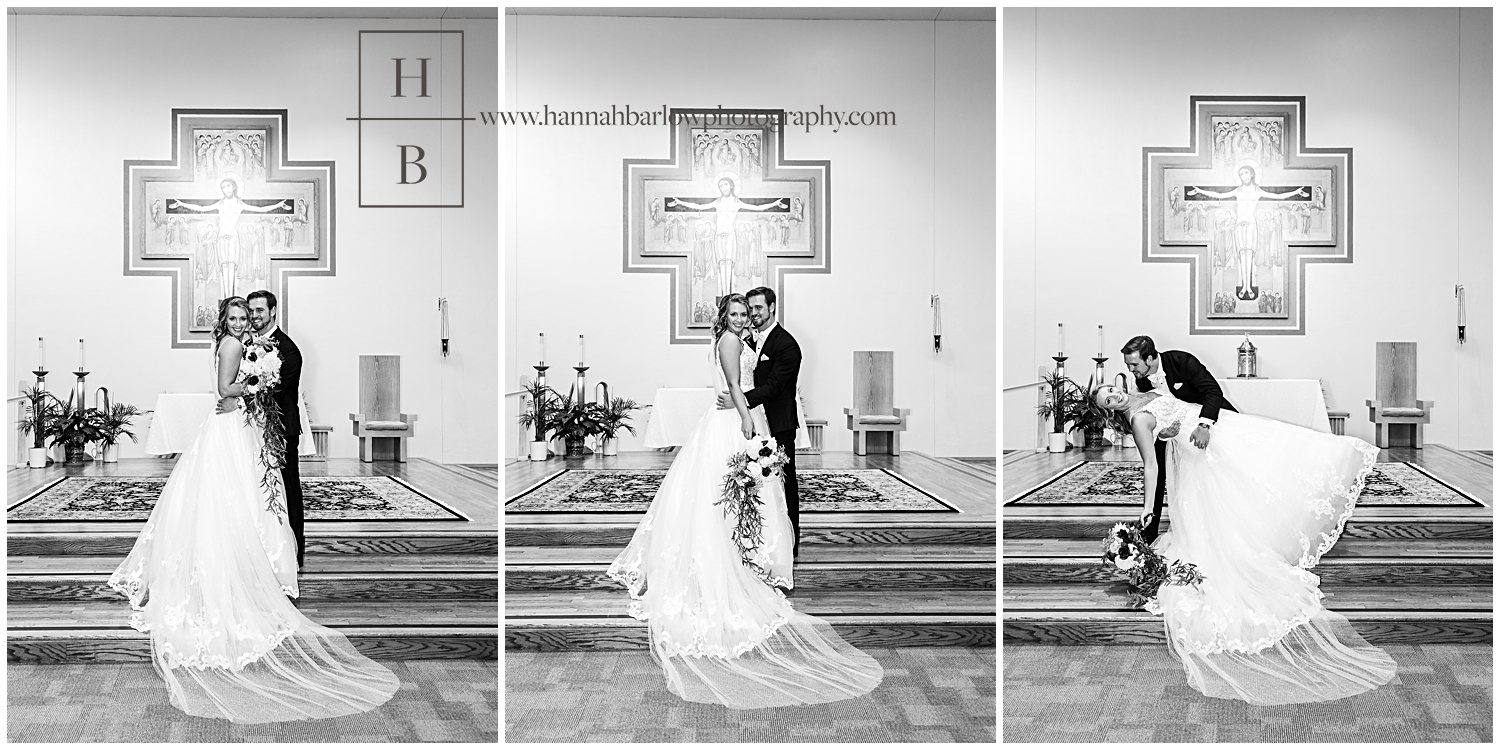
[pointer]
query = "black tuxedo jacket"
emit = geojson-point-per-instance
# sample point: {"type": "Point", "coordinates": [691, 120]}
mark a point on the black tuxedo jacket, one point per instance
{"type": "Point", "coordinates": [286, 393]}
{"type": "Point", "coordinates": [776, 380]}
{"type": "Point", "coordinates": [1189, 380]}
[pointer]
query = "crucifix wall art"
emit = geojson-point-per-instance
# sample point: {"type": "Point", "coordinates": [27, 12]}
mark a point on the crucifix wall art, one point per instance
{"type": "Point", "coordinates": [1247, 206]}
{"type": "Point", "coordinates": [724, 213]}
{"type": "Point", "coordinates": [228, 214]}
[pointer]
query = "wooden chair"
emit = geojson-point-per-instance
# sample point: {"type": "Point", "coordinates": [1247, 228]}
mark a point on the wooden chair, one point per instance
{"type": "Point", "coordinates": [874, 394]}
{"type": "Point", "coordinates": [1395, 399]}
{"type": "Point", "coordinates": [380, 425]}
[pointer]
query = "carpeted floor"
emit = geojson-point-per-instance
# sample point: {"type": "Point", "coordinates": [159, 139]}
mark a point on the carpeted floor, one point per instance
{"type": "Point", "coordinates": [929, 695]}
{"type": "Point", "coordinates": [1140, 694]}
{"type": "Point", "coordinates": [439, 701]}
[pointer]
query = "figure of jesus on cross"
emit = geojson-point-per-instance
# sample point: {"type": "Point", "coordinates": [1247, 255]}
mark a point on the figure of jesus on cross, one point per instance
{"type": "Point", "coordinates": [726, 208]}
{"type": "Point", "coordinates": [1246, 197]}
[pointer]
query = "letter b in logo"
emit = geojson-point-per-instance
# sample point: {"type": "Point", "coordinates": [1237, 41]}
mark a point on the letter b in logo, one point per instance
{"type": "Point", "coordinates": [409, 161]}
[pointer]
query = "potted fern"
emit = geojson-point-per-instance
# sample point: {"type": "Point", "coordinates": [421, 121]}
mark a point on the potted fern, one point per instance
{"type": "Point", "coordinates": [41, 409]}
{"type": "Point", "coordinates": [615, 416]}
{"type": "Point", "coordinates": [542, 401]}
{"type": "Point", "coordinates": [1061, 402]}
{"type": "Point", "coordinates": [116, 424]}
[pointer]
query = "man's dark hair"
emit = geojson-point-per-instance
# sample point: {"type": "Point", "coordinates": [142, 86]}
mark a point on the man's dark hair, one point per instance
{"type": "Point", "coordinates": [761, 291]}
{"type": "Point", "coordinates": [262, 294]}
{"type": "Point", "coordinates": [1142, 345]}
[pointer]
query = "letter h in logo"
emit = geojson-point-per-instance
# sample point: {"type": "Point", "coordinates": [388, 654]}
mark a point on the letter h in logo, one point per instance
{"type": "Point", "coordinates": [411, 119]}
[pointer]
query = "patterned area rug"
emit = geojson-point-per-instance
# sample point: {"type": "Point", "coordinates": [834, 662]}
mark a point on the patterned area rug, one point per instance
{"type": "Point", "coordinates": [323, 499]}
{"type": "Point", "coordinates": [1123, 482]}
{"type": "Point", "coordinates": [818, 491]}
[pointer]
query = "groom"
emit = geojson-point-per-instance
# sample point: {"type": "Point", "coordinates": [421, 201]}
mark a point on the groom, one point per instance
{"type": "Point", "coordinates": [1181, 374]}
{"type": "Point", "coordinates": [263, 318]}
{"type": "Point", "coordinates": [778, 359]}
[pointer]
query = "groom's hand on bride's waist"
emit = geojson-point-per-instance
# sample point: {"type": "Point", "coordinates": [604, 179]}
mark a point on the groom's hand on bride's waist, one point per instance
{"type": "Point", "coordinates": [725, 402]}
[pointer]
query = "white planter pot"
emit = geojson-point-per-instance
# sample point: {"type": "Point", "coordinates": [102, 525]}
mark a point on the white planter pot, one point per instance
{"type": "Point", "coordinates": [36, 458]}
{"type": "Point", "coordinates": [111, 454]}
{"type": "Point", "coordinates": [538, 451]}
{"type": "Point", "coordinates": [1057, 442]}
{"type": "Point", "coordinates": [611, 447]}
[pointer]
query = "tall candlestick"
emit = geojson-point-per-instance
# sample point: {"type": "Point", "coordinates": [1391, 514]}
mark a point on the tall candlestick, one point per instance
{"type": "Point", "coordinates": [580, 350]}
{"type": "Point", "coordinates": [1059, 340]}
{"type": "Point", "coordinates": [542, 357]}
{"type": "Point", "coordinates": [80, 354]}
{"type": "Point", "coordinates": [1101, 341]}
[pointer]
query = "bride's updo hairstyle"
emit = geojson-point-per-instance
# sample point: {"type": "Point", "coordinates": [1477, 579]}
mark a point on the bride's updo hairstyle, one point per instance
{"type": "Point", "coordinates": [721, 321]}
{"type": "Point", "coordinates": [221, 326]}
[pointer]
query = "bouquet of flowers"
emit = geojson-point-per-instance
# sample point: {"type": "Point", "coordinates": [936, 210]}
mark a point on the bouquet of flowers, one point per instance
{"type": "Point", "coordinates": [260, 374]}
{"type": "Point", "coordinates": [761, 461]}
{"type": "Point", "coordinates": [1149, 571]}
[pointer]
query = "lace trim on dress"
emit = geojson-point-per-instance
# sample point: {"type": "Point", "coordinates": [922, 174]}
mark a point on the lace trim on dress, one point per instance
{"type": "Point", "coordinates": [673, 605]}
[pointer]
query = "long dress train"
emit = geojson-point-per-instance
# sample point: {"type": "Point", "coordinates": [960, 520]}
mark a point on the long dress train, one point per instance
{"type": "Point", "coordinates": [1255, 512]}
{"type": "Point", "coordinates": [209, 578]}
{"type": "Point", "coordinates": [721, 632]}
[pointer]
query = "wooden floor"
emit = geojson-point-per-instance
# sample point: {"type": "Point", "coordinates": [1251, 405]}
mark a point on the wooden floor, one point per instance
{"type": "Point", "coordinates": [881, 579]}
{"type": "Point", "coordinates": [1407, 574]}
{"type": "Point", "coordinates": [398, 590]}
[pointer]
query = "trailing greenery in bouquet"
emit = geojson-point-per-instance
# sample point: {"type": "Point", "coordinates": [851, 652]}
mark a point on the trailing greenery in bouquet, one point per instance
{"type": "Point", "coordinates": [761, 461]}
{"type": "Point", "coordinates": [260, 374]}
{"type": "Point", "coordinates": [1126, 551]}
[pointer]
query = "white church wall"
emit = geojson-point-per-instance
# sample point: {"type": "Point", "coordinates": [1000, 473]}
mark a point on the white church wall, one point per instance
{"type": "Point", "coordinates": [564, 258]}
{"type": "Point", "coordinates": [1404, 88]}
{"type": "Point", "coordinates": [76, 118]}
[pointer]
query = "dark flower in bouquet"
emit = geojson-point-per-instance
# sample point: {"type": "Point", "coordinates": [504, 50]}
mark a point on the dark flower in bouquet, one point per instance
{"type": "Point", "coordinates": [1148, 571]}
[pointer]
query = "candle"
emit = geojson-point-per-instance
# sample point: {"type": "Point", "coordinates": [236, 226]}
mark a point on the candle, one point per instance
{"type": "Point", "coordinates": [41, 354]}
{"type": "Point", "coordinates": [1461, 306]}
{"type": "Point", "coordinates": [937, 316]}
{"type": "Point", "coordinates": [542, 356]}
{"type": "Point", "coordinates": [580, 350]}
{"type": "Point", "coordinates": [80, 356]}
{"type": "Point", "coordinates": [1059, 340]}
{"type": "Point", "coordinates": [444, 333]}
{"type": "Point", "coordinates": [1101, 342]}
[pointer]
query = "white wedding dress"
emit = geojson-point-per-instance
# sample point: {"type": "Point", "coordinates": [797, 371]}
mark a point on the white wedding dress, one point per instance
{"type": "Point", "coordinates": [721, 631]}
{"type": "Point", "coordinates": [1255, 512]}
{"type": "Point", "coordinates": [209, 578]}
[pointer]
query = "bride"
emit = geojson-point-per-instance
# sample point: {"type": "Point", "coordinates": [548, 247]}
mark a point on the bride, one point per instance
{"type": "Point", "coordinates": [210, 574]}
{"type": "Point", "coordinates": [722, 632]}
{"type": "Point", "coordinates": [1254, 511]}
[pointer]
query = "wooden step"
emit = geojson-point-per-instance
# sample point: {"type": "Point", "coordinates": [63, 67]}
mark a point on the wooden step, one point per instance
{"type": "Point", "coordinates": [95, 631]}
{"type": "Point", "coordinates": [21, 543]}
{"type": "Point", "coordinates": [594, 620]}
{"type": "Point", "coordinates": [1110, 598]}
{"type": "Point", "coordinates": [1427, 571]}
{"type": "Point", "coordinates": [813, 532]}
{"type": "Point", "coordinates": [1092, 628]}
{"type": "Point", "coordinates": [827, 553]}
{"type": "Point", "coordinates": [394, 577]}
{"type": "Point", "coordinates": [1482, 548]}
{"type": "Point", "coordinates": [559, 604]}
{"type": "Point", "coordinates": [864, 576]}
{"type": "Point", "coordinates": [1366, 523]}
